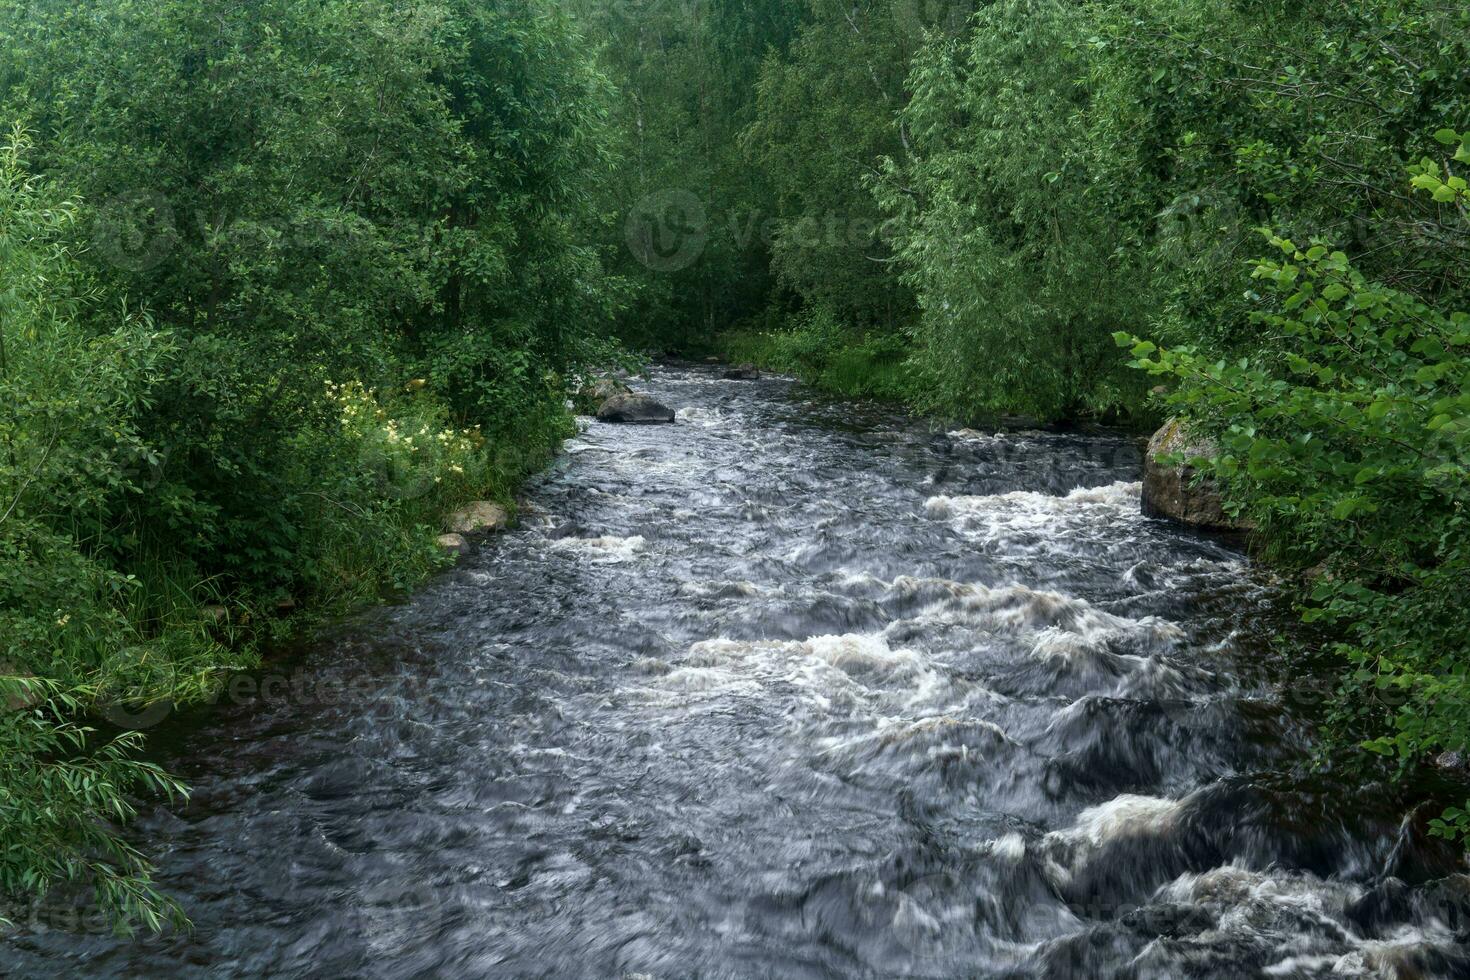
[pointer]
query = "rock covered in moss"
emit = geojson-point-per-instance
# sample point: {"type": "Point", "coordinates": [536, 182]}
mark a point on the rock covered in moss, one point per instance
{"type": "Point", "coordinates": [1176, 491]}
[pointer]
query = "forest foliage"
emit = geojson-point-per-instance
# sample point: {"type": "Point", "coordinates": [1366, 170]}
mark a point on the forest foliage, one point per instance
{"type": "Point", "coordinates": [282, 283]}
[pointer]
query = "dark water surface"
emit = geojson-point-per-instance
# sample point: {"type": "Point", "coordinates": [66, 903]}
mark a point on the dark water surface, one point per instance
{"type": "Point", "coordinates": [790, 689]}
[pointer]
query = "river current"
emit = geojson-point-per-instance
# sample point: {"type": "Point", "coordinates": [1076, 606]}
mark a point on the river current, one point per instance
{"type": "Point", "coordinates": [791, 688]}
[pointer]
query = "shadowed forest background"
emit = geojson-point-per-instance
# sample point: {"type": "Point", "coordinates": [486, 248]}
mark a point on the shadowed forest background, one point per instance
{"type": "Point", "coordinates": [283, 284]}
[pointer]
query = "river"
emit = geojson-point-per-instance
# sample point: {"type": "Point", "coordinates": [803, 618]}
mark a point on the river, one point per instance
{"type": "Point", "coordinates": [792, 688]}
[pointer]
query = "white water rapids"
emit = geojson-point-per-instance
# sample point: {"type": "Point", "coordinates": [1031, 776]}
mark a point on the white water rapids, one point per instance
{"type": "Point", "coordinates": [791, 688]}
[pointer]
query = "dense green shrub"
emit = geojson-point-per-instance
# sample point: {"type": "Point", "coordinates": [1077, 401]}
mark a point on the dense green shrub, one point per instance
{"type": "Point", "coordinates": [1347, 445]}
{"type": "Point", "coordinates": [1072, 167]}
{"type": "Point", "coordinates": [817, 347]}
{"type": "Point", "coordinates": [75, 377]}
{"type": "Point", "coordinates": [61, 787]}
{"type": "Point", "coordinates": [824, 119]}
{"type": "Point", "coordinates": [311, 193]}
{"type": "Point", "coordinates": [1007, 235]}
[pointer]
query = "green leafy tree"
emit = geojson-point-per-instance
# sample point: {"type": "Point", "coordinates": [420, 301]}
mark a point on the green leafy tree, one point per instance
{"type": "Point", "coordinates": [1005, 220]}
{"type": "Point", "coordinates": [1347, 445]}
{"type": "Point", "coordinates": [73, 380]}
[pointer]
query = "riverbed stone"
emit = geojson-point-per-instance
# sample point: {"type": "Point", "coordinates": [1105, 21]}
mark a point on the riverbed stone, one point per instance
{"type": "Point", "coordinates": [744, 372]}
{"type": "Point", "coordinates": [1177, 492]}
{"type": "Point", "coordinates": [454, 544]}
{"type": "Point", "coordinates": [594, 395]}
{"type": "Point", "coordinates": [479, 517]}
{"type": "Point", "coordinates": [634, 409]}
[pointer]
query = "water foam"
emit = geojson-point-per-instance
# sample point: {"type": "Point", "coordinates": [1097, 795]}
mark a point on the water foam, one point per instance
{"type": "Point", "coordinates": [605, 549]}
{"type": "Point", "coordinates": [1019, 608]}
{"type": "Point", "coordinates": [1033, 507]}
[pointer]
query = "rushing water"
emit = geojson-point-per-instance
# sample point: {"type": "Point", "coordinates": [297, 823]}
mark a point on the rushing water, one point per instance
{"type": "Point", "coordinates": [790, 689]}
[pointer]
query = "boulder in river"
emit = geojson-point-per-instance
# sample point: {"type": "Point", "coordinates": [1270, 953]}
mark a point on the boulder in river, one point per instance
{"type": "Point", "coordinates": [592, 396]}
{"type": "Point", "coordinates": [479, 517]}
{"type": "Point", "coordinates": [1178, 492]}
{"type": "Point", "coordinates": [633, 408]}
{"type": "Point", "coordinates": [744, 372]}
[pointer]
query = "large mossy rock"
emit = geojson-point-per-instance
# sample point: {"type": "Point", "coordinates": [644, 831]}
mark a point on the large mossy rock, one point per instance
{"type": "Point", "coordinates": [1175, 491]}
{"type": "Point", "coordinates": [593, 396]}
{"type": "Point", "coordinates": [634, 409]}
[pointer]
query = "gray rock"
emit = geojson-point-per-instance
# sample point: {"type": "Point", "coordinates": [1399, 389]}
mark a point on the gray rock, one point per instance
{"type": "Point", "coordinates": [745, 372]}
{"type": "Point", "coordinates": [635, 409]}
{"type": "Point", "coordinates": [479, 517]}
{"type": "Point", "coordinates": [1174, 492]}
{"type": "Point", "coordinates": [592, 396]}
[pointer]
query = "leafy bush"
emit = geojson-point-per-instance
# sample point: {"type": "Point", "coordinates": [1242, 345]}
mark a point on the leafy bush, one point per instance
{"type": "Point", "coordinates": [307, 192]}
{"type": "Point", "coordinates": [816, 347]}
{"type": "Point", "coordinates": [1347, 444]}
{"type": "Point", "coordinates": [75, 379]}
{"type": "Point", "coordinates": [1004, 230]}
{"type": "Point", "coordinates": [62, 786]}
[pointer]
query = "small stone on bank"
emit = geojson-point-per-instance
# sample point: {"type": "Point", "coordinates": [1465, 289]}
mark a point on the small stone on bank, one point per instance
{"type": "Point", "coordinates": [455, 544]}
{"type": "Point", "coordinates": [479, 517]}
